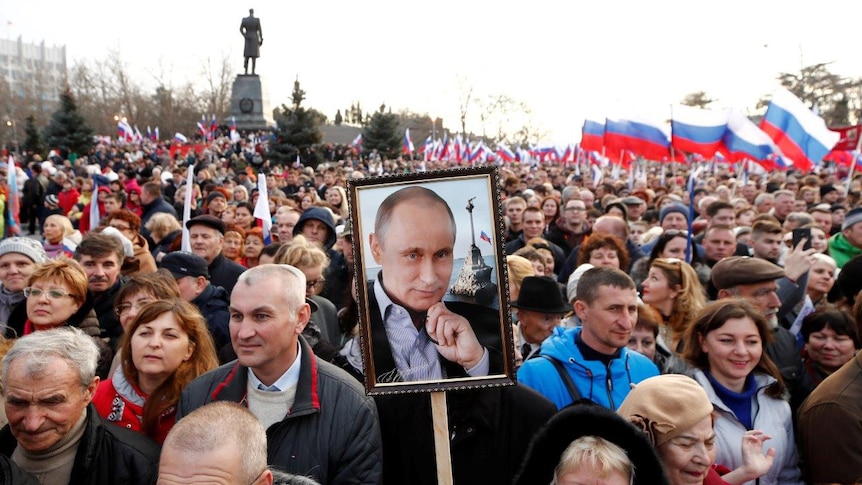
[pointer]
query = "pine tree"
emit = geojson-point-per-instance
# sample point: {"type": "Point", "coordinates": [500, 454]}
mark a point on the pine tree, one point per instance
{"type": "Point", "coordinates": [68, 131]}
{"type": "Point", "coordinates": [297, 130]}
{"type": "Point", "coordinates": [32, 139]}
{"type": "Point", "coordinates": [338, 118]}
{"type": "Point", "coordinates": [381, 134]}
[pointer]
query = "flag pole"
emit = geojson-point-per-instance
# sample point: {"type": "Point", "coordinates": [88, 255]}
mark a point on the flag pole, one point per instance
{"type": "Point", "coordinates": [853, 164]}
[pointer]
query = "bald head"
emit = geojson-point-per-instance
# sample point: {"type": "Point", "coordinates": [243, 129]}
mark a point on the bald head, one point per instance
{"type": "Point", "coordinates": [613, 226]}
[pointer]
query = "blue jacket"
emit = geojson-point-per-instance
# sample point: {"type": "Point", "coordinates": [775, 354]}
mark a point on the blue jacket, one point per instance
{"type": "Point", "coordinates": [590, 376]}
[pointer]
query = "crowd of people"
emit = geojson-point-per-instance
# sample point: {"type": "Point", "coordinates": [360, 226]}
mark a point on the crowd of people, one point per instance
{"type": "Point", "coordinates": [663, 334]}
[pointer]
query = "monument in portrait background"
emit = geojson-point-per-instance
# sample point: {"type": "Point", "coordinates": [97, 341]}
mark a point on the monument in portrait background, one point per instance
{"type": "Point", "coordinates": [249, 100]}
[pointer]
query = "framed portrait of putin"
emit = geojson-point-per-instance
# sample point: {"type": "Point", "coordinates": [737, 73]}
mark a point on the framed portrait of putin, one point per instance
{"type": "Point", "coordinates": [431, 281]}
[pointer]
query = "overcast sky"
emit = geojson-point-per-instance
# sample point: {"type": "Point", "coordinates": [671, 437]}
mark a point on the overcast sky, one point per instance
{"type": "Point", "coordinates": [565, 60]}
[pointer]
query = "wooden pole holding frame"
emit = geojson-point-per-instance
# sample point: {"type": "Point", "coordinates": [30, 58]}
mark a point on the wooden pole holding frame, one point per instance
{"type": "Point", "coordinates": [440, 417]}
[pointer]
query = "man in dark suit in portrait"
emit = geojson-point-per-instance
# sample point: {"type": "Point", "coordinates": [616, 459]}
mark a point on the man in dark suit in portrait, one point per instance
{"type": "Point", "coordinates": [415, 335]}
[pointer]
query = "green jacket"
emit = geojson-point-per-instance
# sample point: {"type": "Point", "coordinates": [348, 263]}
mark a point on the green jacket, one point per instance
{"type": "Point", "coordinates": [841, 250]}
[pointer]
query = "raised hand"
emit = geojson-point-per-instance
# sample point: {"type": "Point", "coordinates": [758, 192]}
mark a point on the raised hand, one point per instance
{"type": "Point", "coordinates": [454, 336]}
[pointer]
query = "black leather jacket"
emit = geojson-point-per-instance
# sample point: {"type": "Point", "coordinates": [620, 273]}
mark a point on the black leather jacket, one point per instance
{"type": "Point", "coordinates": [107, 455]}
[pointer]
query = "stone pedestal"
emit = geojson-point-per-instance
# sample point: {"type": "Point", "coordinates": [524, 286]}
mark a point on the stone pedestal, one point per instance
{"type": "Point", "coordinates": [249, 103]}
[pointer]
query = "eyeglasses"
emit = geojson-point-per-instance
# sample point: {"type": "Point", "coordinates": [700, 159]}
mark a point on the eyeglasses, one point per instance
{"type": "Point", "coordinates": [315, 284]}
{"type": "Point", "coordinates": [52, 294]}
{"type": "Point", "coordinates": [124, 308]}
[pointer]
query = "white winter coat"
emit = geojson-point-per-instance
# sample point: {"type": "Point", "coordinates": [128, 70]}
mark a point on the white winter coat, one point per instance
{"type": "Point", "coordinates": [770, 415]}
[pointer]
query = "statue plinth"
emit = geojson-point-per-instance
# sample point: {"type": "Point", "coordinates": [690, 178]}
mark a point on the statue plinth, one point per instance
{"type": "Point", "coordinates": [249, 103]}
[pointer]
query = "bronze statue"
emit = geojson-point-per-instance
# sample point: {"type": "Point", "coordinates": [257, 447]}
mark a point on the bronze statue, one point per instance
{"type": "Point", "coordinates": [250, 29]}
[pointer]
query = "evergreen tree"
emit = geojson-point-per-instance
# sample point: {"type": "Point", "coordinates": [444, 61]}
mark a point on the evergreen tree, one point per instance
{"type": "Point", "coordinates": [338, 118]}
{"type": "Point", "coordinates": [32, 139]}
{"type": "Point", "coordinates": [297, 130]}
{"type": "Point", "coordinates": [68, 131]}
{"type": "Point", "coordinates": [381, 133]}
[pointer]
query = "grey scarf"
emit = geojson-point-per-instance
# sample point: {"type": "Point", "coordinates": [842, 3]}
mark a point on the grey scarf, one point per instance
{"type": "Point", "coordinates": [8, 302]}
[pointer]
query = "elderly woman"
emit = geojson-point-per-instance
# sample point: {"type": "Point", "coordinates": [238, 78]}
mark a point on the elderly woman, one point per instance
{"type": "Point", "coordinates": [19, 257]}
{"type": "Point", "coordinates": [831, 339]}
{"type": "Point", "coordinates": [234, 243]}
{"type": "Point", "coordinates": [726, 346]}
{"type": "Point", "coordinates": [56, 230]}
{"type": "Point", "coordinates": [164, 229]}
{"type": "Point", "coordinates": [129, 224]}
{"type": "Point", "coordinates": [676, 415]}
{"type": "Point", "coordinates": [166, 347]}
{"type": "Point", "coordinates": [604, 250]}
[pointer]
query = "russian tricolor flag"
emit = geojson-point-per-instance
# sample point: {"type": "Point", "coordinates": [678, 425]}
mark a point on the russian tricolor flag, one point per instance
{"type": "Point", "coordinates": [743, 139]}
{"type": "Point", "coordinates": [180, 138]}
{"type": "Point", "coordinates": [644, 138]}
{"type": "Point", "coordinates": [505, 152]}
{"type": "Point", "coordinates": [593, 135]}
{"type": "Point", "coordinates": [408, 143]}
{"type": "Point", "coordinates": [261, 209]}
{"type": "Point", "coordinates": [800, 134]}
{"type": "Point", "coordinates": [697, 130]}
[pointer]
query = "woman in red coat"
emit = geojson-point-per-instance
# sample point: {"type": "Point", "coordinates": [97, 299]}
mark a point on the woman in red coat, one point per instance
{"type": "Point", "coordinates": [165, 348]}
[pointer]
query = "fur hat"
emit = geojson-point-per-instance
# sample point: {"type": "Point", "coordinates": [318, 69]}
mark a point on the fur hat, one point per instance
{"type": "Point", "coordinates": [665, 406]}
{"type": "Point", "coordinates": [588, 419]}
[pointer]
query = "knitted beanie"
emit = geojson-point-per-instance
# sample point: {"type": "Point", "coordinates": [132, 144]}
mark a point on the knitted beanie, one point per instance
{"type": "Point", "coordinates": [666, 406]}
{"type": "Point", "coordinates": [26, 246]}
{"type": "Point", "coordinates": [852, 217]}
{"type": "Point", "coordinates": [672, 208]}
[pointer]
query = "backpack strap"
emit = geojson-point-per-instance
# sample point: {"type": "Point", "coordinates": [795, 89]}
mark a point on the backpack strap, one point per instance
{"type": "Point", "coordinates": [564, 376]}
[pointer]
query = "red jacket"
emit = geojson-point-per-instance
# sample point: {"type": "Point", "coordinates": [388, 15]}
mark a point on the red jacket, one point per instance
{"type": "Point", "coordinates": [125, 407]}
{"type": "Point", "coordinates": [67, 199]}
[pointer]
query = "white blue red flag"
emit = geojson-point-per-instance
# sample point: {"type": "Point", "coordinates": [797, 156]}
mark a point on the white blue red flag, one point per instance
{"type": "Point", "coordinates": [408, 143]}
{"type": "Point", "coordinates": [696, 130]}
{"type": "Point", "coordinates": [593, 135]}
{"type": "Point", "coordinates": [357, 142]}
{"type": "Point", "coordinates": [645, 138]}
{"type": "Point", "coordinates": [505, 153]}
{"type": "Point", "coordinates": [186, 244]}
{"type": "Point", "coordinates": [743, 139]}
{"type": "Point", "coordinates": [261, 209]}
{"type": "Point", "coordinates": [13, 223]}
{"type": "Point", "coordinates": [485, 237]}
{"type": "Point", "coordinates": [179, 137]}
{"type": "Point", "coordinates": [801, 134]}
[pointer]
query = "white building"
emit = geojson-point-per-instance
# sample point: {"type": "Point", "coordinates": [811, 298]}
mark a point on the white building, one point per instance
{"type": "Point", "coordinates": [33, 67]}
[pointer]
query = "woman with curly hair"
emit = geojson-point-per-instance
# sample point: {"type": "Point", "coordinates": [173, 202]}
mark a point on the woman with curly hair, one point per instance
{"type": "Point", "coordinates": [672, 288]}
{"type": "Point", "coordinates": [604, 250]}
